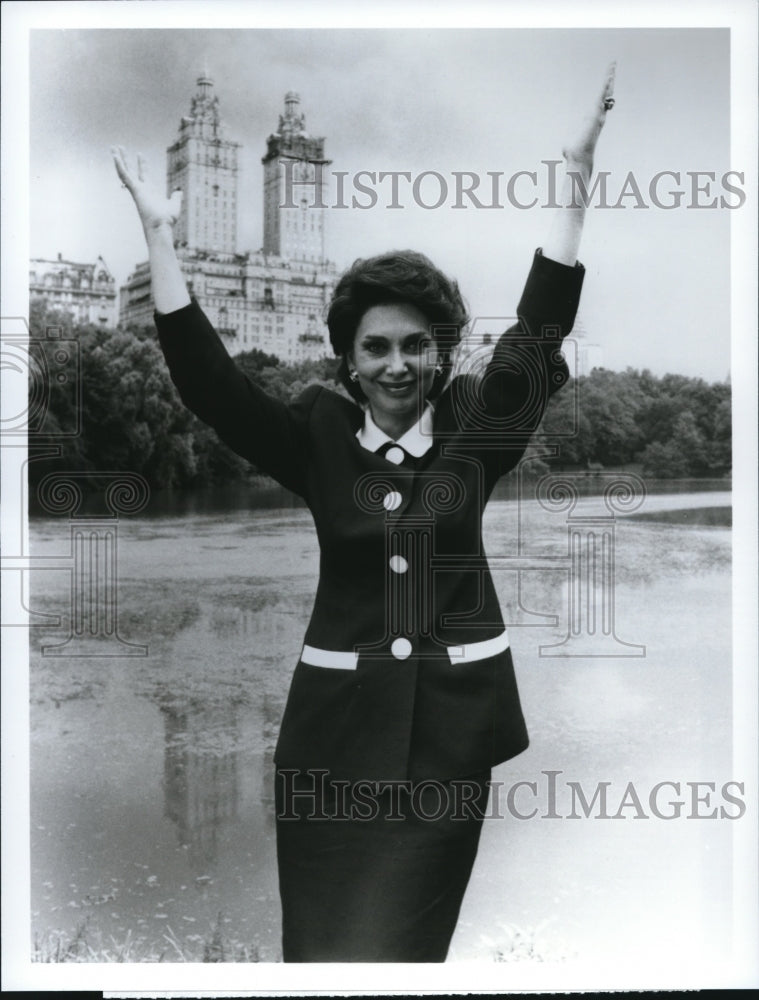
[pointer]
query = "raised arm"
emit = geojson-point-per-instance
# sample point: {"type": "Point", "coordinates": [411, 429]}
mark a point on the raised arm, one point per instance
{"type": "Point", "coordinates": [267, 432]}
{"type": "Point", "coordinates": [527, 365]}
{"type": "Point", "coordinates": [563, 242]}
{"type": "Point", "coordinates": [157, 215]}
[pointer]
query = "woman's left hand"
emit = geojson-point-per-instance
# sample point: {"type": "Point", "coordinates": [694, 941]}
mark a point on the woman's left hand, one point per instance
{"type": "Point", "coordinates": [579, 152]}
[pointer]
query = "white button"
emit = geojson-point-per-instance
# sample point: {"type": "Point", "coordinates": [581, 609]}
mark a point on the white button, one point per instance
{"type": "Point", "coordinates": [401, 649]}
{"type": "Point", "coordinates": [395, 455]}
{"type": "Point", "coordinates": [398, 564]}
{"type": "Point", "coordinates": [392, 501]}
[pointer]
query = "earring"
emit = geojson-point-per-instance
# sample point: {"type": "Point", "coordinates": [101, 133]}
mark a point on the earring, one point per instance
{"type": "Point", "coordinates": [353, 375]}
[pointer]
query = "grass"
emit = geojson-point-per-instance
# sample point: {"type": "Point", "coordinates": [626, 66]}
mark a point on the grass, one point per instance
{"type": "Point", "coordinates": [88, 944]}
{"type": "Point", "coordinates": [518, 944]}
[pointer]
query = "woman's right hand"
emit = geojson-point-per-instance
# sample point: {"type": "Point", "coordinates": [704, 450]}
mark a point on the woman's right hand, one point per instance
{"type": "Point", "coordinates": [155, 210]}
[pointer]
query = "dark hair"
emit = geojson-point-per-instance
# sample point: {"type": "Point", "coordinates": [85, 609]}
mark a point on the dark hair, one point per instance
{"type": "Point", "coordinates": [403, 276]}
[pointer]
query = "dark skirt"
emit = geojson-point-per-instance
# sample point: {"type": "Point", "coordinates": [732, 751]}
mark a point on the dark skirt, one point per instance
{"type": "Point", "coordinates": [374, 872]}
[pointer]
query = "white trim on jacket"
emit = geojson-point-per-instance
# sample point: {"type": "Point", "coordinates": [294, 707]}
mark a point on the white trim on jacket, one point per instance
{"type": "Point", "coordinates": [467, 653]}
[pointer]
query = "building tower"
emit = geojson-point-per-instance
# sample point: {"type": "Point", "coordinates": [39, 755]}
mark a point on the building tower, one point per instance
{"type": "Point", "coordinates": [203, 165]}
{"type": "Point", "coordinates": [294, 189]}
{"type": "Point", "coordinates": [272, 299]}
{"type": "Point", "coordinates": [588, 355]}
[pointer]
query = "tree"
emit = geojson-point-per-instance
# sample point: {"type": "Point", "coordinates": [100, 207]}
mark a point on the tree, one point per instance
{"type": "Point", "coordinates": [673, 426]}
{"type": "Point", "coordinates": [133, 420]}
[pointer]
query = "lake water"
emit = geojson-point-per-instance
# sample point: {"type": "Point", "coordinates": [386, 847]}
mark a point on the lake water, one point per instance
{"type": "Point", "coordinates": [152, 798]}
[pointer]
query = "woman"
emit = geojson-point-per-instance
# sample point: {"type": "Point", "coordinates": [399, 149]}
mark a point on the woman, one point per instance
{"type": "Point", "coordinates": [404, 696]}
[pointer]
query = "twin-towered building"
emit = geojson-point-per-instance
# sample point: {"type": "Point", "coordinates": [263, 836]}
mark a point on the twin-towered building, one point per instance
{"type": "Point", "coordinates": [272, 299]}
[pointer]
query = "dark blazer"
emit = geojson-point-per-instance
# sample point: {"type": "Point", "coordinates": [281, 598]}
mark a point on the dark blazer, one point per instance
{"type": "Point", "coordinates": [398, 700]}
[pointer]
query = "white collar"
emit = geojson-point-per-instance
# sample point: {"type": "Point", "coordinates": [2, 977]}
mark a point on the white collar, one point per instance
{"type": "Point", "coordinates": [416, 441]}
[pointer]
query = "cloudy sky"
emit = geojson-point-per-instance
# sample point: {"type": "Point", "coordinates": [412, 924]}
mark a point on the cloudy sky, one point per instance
{"type": "Point", "coordinates": [657, 291]}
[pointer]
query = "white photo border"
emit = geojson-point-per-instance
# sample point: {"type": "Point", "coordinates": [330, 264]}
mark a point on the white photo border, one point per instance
{"type": "Point", "coordinates": [18, 971]}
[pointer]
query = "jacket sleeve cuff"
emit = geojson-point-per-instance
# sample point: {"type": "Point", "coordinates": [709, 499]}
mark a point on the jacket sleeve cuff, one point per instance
{"type": "Point", "coordinates": [173, 322]}
{"type": "Point", "coordinates": [551, 295]}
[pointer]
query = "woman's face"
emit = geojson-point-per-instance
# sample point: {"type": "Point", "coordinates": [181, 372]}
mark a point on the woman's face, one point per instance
{"type": "Point", "coordinates": [395, 357]}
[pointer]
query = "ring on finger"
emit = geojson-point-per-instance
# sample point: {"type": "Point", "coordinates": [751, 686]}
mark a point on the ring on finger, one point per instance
{"type": "Point", "coordinates": [608, 103]}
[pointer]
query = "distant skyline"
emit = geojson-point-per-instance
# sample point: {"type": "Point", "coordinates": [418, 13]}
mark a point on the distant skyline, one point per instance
{"type": "Point", "coordinates": [657, 288]}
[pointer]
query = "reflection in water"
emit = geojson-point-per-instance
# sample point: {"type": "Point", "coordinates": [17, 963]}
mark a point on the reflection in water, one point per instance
{"type": "Point", "coordinates": [272, 714]}
{"type": "Point", "coordinates": [201, 782]}
{"type": "Point", "coordinates": [194, 834]}
{"type": "Point", "coordinates": [220, 725]}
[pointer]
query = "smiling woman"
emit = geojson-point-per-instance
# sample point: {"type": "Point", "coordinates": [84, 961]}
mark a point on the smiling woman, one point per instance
{"type": "Point", "coordinates": [404, 696]}
{"type": "Point", "coordinates": [395, 320]}
{"type": "Point", "coordinates": [394, 362]}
